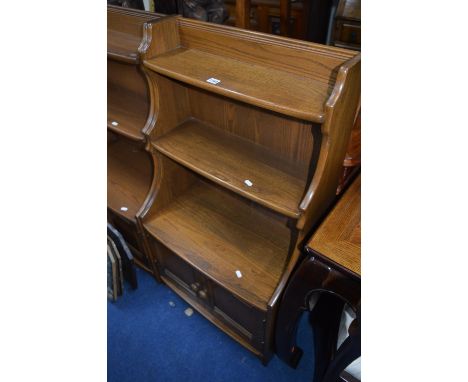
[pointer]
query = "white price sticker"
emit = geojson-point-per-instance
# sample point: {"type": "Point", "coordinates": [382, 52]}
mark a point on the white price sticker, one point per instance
{"type": "Point", "coordinates": [213, 81]}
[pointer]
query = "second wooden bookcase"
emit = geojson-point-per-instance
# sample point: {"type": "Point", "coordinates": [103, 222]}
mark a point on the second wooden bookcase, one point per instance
{"type": "Point", "coordinates": [129, 165]}
{"type": "Point", "coordinates": [248, 135]}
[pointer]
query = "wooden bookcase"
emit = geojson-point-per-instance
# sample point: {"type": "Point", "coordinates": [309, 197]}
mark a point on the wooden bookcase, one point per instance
{"type": "Point", "coordinates": [129, 165]}
{"type": "Point", "coordinates": [247, 134]}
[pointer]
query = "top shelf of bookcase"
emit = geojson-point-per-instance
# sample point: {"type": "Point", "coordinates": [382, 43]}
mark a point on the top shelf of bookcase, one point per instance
{"type": "Point", "coordinates": [276, 90]}
{"type": "Point", "coordinates": [123, 46]}
{"type": "Point", "coordinates": [125, 32]}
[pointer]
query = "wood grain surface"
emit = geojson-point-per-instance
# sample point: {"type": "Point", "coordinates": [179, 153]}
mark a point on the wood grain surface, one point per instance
{"type": "Point", "coordinates": [219, 234]}
{"type": "Point", "coordinates": [128, 109]}
{"type": "Point", "coordinates": [129, 175]}
{"type": "Point", "coordinates": [339, 236]}
{"type": "Point", "coordinates": [230, 106]}
{"type": "Point", "coordinates": [232, 161]}
{"type": "Point", "coordinates": [125, 32]}
{"type": "Point", "coordinates": [272, 89]}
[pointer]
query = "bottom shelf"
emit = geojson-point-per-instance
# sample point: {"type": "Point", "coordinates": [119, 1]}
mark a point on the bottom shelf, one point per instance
{"type": "Point", "coordinates": [236, 243]}
{"type": "Point", "coordinates": [129, 176]}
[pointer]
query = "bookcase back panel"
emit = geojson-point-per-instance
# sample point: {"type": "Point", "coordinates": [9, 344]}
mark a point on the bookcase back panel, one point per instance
{"type": "Point", "coordinates": [128, 22]}
{"type": "Point", "coordinates": [128, 101]}
{"type": "Point", "coordinates": [175, 180]}
{"type": "Point", "coordinates": [289, 138]}
{"type": "Point", "coordinates": [128, 78]}
{"type": "Point", "coordinates": [172, 106]}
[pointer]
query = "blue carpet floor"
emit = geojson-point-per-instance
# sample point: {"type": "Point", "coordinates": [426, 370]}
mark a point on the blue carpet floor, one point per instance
{"type": "Point", "coordinates": [148, 340]}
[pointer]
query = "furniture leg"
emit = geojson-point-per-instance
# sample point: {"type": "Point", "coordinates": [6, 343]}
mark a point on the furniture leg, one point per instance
{"type": "Point", "coordinates": [243, 14]}
{"type": "Point", "coordinates": [325, 320]}
{"type": "Point", "coordinates": [309, 276]}
{"type": "Point", "coordinates": [285, 15]}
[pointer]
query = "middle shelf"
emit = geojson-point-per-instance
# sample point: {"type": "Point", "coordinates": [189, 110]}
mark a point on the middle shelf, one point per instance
{"type": "Point", "coordinates": [221, 234]}
{"type": "Point", "coordinates": [129, 176]}
{"type": "Point", "coordinates": [127, 112]}
{"type": "Point", "coordinates": [237, 164]}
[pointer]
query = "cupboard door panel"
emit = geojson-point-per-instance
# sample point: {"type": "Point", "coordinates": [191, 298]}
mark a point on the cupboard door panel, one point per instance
{"type": "Point", "coordinates": [245, 319]}
{"type": "Point", "coordinates": [175, 268]}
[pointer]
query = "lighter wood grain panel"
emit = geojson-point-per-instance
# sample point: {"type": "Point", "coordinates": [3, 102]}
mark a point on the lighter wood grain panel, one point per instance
{"type": "Point", "coordinates": [339, 236]}
{"type": "Point", "coordinates": [231, 161]}
{"type": "Point", "coordinates": [272, 89]}
{"type": "Point", "coordinates": [218, 234]}
{"type": "Point", "coordinates": [289, 138]}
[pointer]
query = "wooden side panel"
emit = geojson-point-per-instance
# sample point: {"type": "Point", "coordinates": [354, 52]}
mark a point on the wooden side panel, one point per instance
{"type": "Point", "coordinates": [341, 110]}
{"type": "Point", "coordinates": [171, 107]}
{"type": "Point", "coordinates": [159, 36]}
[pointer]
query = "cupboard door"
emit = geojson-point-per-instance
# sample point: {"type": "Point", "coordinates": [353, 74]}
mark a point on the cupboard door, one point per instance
{"type": "Point", "coordinates": [179, 271]}
{"type": "Point", "coordinates": [245, 319]}
{"type": "Point", "coordinates": [348, 33]}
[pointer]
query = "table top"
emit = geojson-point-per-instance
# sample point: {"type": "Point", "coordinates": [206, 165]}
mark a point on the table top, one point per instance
{"type": "Point", "coordinates": [339, 236]}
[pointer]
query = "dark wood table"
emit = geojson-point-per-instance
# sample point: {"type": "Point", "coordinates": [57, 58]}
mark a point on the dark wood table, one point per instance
{"type": "Point", "coordinates": [330, 276]}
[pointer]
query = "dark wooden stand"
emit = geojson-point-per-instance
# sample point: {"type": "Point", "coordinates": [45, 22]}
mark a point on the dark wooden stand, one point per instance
{"type": "Point", "coordinates": [336, 279]}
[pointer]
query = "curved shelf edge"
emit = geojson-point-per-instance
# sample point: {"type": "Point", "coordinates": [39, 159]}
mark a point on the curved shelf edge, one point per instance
{"type": "Point", "coordinates": [294, 214]}
{"type": "Point", "coordinates": [131, 219]}
{"type": "Point", "coordinates": [125, 57]}
{"type": "Point", "coordinates": [127, 134]}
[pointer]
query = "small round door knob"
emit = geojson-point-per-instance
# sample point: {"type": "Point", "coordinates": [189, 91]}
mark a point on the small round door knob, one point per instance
{"type": "Point", "coordinates": [202, 294]}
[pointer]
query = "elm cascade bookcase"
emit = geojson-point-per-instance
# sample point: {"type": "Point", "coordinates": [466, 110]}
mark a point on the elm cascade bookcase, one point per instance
{"type": "Point", "coordinates": [129, 165]}
{"type": "Point", "coordinates": [247, 133]}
